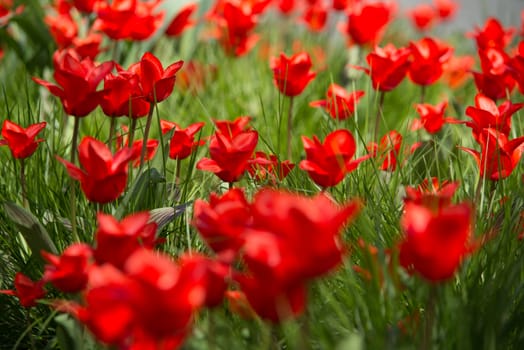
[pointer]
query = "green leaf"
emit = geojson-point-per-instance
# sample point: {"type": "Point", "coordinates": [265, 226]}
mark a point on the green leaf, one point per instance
{"type": "Point", "coordinates": [31, 229]}
{"type": "Point", "coordinates": [68, 333]}
{"type": "Point", "coordinates": [163, 216]}
{"type": "Point", "coordinates": [352, 342]}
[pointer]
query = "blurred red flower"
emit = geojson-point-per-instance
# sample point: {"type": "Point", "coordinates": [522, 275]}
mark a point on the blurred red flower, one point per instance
{"type": "Point", "coordinates": [429, 56]}
{"type": "Point", "coordinates": [446, 9]}
{"type": "Point", "coordinates": [124, 95]}
{"type": "Point", "coordinates": [26, 290]}
{"type": "Point", "coordinates": [125, 19]}
{"type": "Point", "coordinates": [327, 163]}
{"type": "Point", "coordinates": [265, 167]}
{"type": "Point", "coordinates": [432, 194]}
{"type": "Point", "coordinates": [68, 272]}
{"type": "Point", "coordinates": [117, 240]}
{"type": "Point", "coordinates": [498, 155]}
{"type": "Point", "coordinates": [367, 21]}
{"type": "Point", "coordinates": [387, 66]}
{"type": "Point", "coordinates": [493, 35]}
{"type": "Point", "coordinates": [423, 16]}
{"type": "Point", "coordinates": [435, 241]}
{"type": "Point", "coordinates": [61, 25]}
{"type": "Point", "coordinates": [457, 70]}
{"type": "Point", "coordinates": [292, 74]}
{"type": "Point", "coordinates": [315, 17]}
{"type": "Point", "coordinates": [431, 117]}
{"type": "Point", "coordinates": [388, 150]}
{"type": "Point", "coordinates": [182, 20]}
{"type": "Point", "coordinates": [77, 81]}
{"type": "Point", "coordinates": [340, 104]}
{"type": "Point", "coordinates": [21, 141]}
{"type": "Point", "coordinates": [183, 142]}
{"type": "Point", "coordinates": [104, 176]}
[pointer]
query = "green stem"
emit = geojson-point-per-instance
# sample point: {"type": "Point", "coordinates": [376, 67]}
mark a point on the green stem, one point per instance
{"type": "Point", "coordinates": [30, 325]}
{"type": "Point", "coordinates": [380, 114]}
{"type": "Point", "coordinates": [429, 319]}
{"type": "Point", "coordinates": [146, 134]}
{"type": "Point", "coordinates": [422, 93]}
{"type": "Point", "coordinates": [132, 129]}
{"type": "Point", "coordinates": [23, 183]}
{"type": "Point", "coordinates": [74, 142]}
{"type": "Point", "coordinates": [289, 126]}
{"type": "Point", "coordinates": [112, 129]}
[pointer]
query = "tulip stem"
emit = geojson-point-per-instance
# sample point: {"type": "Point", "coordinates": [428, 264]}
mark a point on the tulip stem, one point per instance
{"type": "Point", "coordinates": [23, 183]}
{"type": "Point", "coordinates": [380, 114]}
{"type": "Point", "coordinates": [429, 318]}
{"type": "Point", "coordinates": [132, 129]}
{"type": "Point", "coordinates": [112, 129]}
{"type": "Point", "coordinates": [30, 325]}
{"type": "Point", "coordinates": [422, 93]}
{"type": "Point", "coordinates": [146, 134]}
{"type": "Point", "coordinates": [74, 142]}
{"type": "Point", "coordinates": [289, 126]}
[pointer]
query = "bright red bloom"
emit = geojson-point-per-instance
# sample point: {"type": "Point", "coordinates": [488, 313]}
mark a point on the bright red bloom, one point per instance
{"type": "Point", "coordinates": [290, 242]}
{"type": "Point", "coordinates": [21, 142]}
{"type": "Point", "coordinates": [266, 167]}
{"type": "Point", "coordinates": [445, 8]}
{"type": "Point", "coordinates": [222, 221]}
{"type": "Point", "coordinates": [328, 163]}
{"type": "Point", "coordinates": [517, 66]}
{"type": "Point", "coordinates": [429, 57]}
{"type": "Point", "coordinates": [435, 242]}
{"type": "Point", "coordinates": [62, 27]}
{"type": "Point", "coordinates": [387, 66]}
{"type": "Point", "coordinates": [494, 86]}
{"type": "Point", "coordinates": [183, 142]}
{"type": "Point", "coordinates": [151, 147]}
{"type": "Point", "coordinates": [292, 74]}
{"type": "Point", "coordinates": [368, 21]}
{"type": "Point", "coordinates": [26, 290]}
{"type": "Point", "coordinates": [339, 103]}
{"type": "Point", "coordinates": [128, 19]}
{"type": "Point", "coordinates": [431, 194]}
{"type": "Point", "coordinates": [315, 17]}
{"type": "Point", "coordinates": [156, 83]}
{"type": "Point", "coordinates": [124, 95]}
{"type": "Point", "coordinates": [492, 35]}
{"type": "Point", "coordinates": [286, 6]}
{"type": "Point", "coordinates": [117, 240]}
{"type": "Point", "coordinates": [498, 156]}
{"type": "Point", "coordinates": [86, 6]}
{"type": "Point", "coordinates": [431, 117]}
{"type": "Point", "coordinates": [69, 271]}
{"type": "Point", "coordinates": [486, 114]}
{"type": "Point", "coordinates": [88, 47]}
{"type": "Point", "coordinates": [182, 20]}
{"type": "Point", "coordinates": [77, 81]}
{"type": "Point", "coordinates": [341, 5]}
{"type": "Point", "coordinates": [423, 16]}
{"type": "Point", "coordinates": [233, 128]}
{"type": "Point", "coordinates": [230, 151]}
{"type": "Point", "coordinates": [104, 176]}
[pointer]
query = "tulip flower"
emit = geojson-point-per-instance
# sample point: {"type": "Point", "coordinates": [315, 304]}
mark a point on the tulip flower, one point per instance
{"type": "Point", "coordinates": [104, 176]}
{"type": "Point", "coordinates": [182, 21]}
{"type": "Point", "coordinates": [69, 271]}
{"type": "Point", "coordinates": [183, 142]}
{"type": "Point", "coordinates": [423, 16]}
{"type": "Point", "coordinates": [457, 70]}
{"type": "Point", "coordinates": [328, 163]}
{"type": "Point", "coordinates": [429, 57]}
{"type": "Point", "coordinates": [486, 114]}
{"type": "Point", "coordinates": [339, 103]}
{"type": "Point", "coordinates": [133, 20]}
{"type": "Point", "coordinates": [431, 117]}
{"type": "Point", "coordinates": [315, 17]}
{"type": "Point", "coordinates": [431, 193]}
{"type": "Point", "coordinates": [493, 34]}
{"type": "Point", "coordinates": [446, 9]}
{"type": "Point", "coordinates": [118, 240]}
{"type": "Point", "coordinates": [367, 21]}
{"type": "Point", "coordinates": [266, 167]}
{"type": "Point", "coordinates": [26, 290]}
{"type": "Point", "coordinates": [498, 156]}
{"type": "Point", "coordinates": [435, 242]}
{"type": "Point", "coordinates": [517, 66]}
{"type": "Point", "coordinates": [291, 76]}
{"type": "Point", "coordinates": [62, 26]}
{"type": "Point", "coordinates": [22, 143]}
{"type": "Point", "coordinates": [388, 150]}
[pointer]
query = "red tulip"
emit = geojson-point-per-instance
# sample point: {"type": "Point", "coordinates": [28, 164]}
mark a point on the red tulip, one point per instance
{"type": "Point", "coordinates": [492, 35]}
{"type": "Point", "coordinates": [117, 240]}
{"type": "Point", "coordinates": [182, 20]}
{"type": "Point", "coordinates": [387, 66]}
{"type": "Point", "coordinates": [69, 271]}
{"type": "Point", "coordinates": [341, 5]}
{"type": "Point", "coordinates": [229, 155]}
{"type": "Point", "coordinates": [124, 19]}
{"type": "Point", "coordinates": [86, 6]}
{"type": "Point", "coordinates": [156, 83]}
{"type": "Point", "coordinates": [368, 21]}
{"type": "Point", "coordinates": [388, 150]}
{"type": "Point", "coordinates": [151, 147]}
{"type": "Point", "coordinates": [124, 95]}
{"type": "Point", "coordinates": [486, 114]}
{"type": "Point", "coordinates": [26, 290]}
{"type": "Point", "coordinates": [457, 70]}
{"type": "Point", "coordinates": [315, 17]}
{"type": "Point", "coordinates": [429, 57]}
{"type": "Point", "coordinates": [292, 75]}
{"type": "Point", "coordinates": [431, 194]}
{"type": "Point", "coordinates": [517, 66]}
{"type": "Point", "coordinates": [89, 46]}
{"type": "Point", "coordinates": [62, 27]}
{"type": "Point", "coordinates": [494, 86]}
{"type": "Point", "coordinates": [265, 167]}
{"type": "Point", "coordinates": [435, 242]}
{"type": "Point", "coordinates": [339, 103]}
{"type": "Point", "coordinates": [21, 142]}
{"type": "Point", "coordinates": [183, 142]}
{"type": "Point", "coordinates": [327, 163]}
{"type": "Point", "coordinates": [498, 156]}
{"type": "Point", "coordinates": [222, 221]}
{"type": "Point", "coordinates": [423, 16]}
{"type": "Point", "coordinates": [77, 82]}
{"type": "Point", "coordinates": [231, 129]}
{"type": "Point", "coordinates": [445, 8]}
{"type": "Point", "coordinates": [104, 176]}
{"type": "Point", "coordinates": [431, 117]}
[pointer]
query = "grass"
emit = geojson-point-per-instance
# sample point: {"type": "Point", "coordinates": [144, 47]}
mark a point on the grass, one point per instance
{"type": "Point", "coordinates": [481, 308]}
